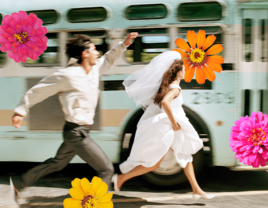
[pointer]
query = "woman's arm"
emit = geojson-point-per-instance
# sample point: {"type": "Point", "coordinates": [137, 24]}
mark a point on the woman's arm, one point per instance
{"type": "Point", "coordinates": [166, 106]}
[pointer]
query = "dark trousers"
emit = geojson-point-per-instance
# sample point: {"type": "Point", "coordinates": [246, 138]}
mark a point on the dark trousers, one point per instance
{"type": "Point", "coordinates": [76, 142]}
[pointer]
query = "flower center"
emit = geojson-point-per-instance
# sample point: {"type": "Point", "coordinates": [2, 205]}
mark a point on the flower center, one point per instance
{"type": "Point", "coordinates": [21, 37]}
{"type": "Point", "coordinates": [257, 137]}
{"type": "Point", "coordinates": [89, 202]}
{"type": "Point", "coordinates": [197, 56]}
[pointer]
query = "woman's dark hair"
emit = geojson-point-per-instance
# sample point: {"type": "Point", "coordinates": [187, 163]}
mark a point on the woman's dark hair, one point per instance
{"type": "Point", "coordinates": [75, 46]}
{"type": "Point", "coordinates": [168, 77]}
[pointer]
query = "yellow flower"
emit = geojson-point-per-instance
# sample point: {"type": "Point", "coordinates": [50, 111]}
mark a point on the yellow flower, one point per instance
{"type": "Point", "coordinates": [200, 57]}
{"type": "Point", "coordinates": [89, 195]}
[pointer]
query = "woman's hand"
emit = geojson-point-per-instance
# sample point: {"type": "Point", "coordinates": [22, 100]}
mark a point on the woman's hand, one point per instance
{"type": "Point", "coordinates": [176, 127]}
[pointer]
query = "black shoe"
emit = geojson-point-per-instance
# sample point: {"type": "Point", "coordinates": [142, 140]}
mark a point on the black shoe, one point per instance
{"type": "Point", "coordinates": [14, 194]}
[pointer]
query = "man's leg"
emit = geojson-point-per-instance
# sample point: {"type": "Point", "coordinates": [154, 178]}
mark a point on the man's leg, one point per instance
{"type": "Point", "coordinates": [62, 158]}
{"type": "Point", "coordinates": [79, 140]}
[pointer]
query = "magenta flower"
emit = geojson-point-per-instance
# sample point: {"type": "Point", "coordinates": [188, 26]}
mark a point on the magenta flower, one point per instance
{"type": "Point", "coordinates": [249, 139]}
{"type": "Point", "coordinates": [23, 36]}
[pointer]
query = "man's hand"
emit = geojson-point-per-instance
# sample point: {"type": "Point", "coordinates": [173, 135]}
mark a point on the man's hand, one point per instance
{"type": "Point", "coordinates": [130, 37]}
{"type": "Point", "coordinates": [16, 120]}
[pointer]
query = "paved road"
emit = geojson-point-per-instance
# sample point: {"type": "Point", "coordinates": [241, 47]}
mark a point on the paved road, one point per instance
{"type": "Point", "coordinates": [232, 189]}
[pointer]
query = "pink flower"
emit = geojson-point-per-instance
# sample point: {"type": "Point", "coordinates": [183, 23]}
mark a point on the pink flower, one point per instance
{"type": "Point", "coordinates": [23, 36]}
{"type": "Point", "coordinates": [249, 139]}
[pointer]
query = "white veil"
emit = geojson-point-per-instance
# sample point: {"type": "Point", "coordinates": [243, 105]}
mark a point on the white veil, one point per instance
{"type": "Point", "coordinates": [143, 84]}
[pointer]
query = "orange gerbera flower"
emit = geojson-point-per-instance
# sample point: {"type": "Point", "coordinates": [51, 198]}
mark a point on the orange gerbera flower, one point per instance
{"type": "Point", "coordinates": [198, 57]}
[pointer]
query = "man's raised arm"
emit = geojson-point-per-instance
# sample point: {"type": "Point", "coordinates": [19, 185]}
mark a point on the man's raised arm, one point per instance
{"type": "Point", "coordinates": [108, 59]}
{"type": "Point", "coordinates": [45, 88]}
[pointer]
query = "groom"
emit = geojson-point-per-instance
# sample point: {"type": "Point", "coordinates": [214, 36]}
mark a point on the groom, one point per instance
{"type": "Point", "coordinates": [77, 88]}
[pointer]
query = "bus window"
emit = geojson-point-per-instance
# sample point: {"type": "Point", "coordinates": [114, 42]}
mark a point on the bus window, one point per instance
{"type": "Point", "coordinates": [50, 55]}
{"type": "Point", "coordinates": [47, 16]}
{"type": "Point", "coordinates": [99, 38]}
{"type": "Point", "coordinates": [263, 41]}
{"type": "Point", "coordinates": [247, 39]}
{"type": "Point", "coordinates": [2, 58]}
{"type": "Point", "coordinates": [149, 11]}
{"type": "Point", "coordinates": [149, 43]}
{"type": "Point", "coordinates": [199, 11]}
{"type": "Point", "coordinates": [216, 30]}
{"type": "Point", "coordinates": [93, 14]}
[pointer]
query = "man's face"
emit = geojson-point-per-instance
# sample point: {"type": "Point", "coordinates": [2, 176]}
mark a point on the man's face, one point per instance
{"type": "Point", "coordinates": [91, 55]}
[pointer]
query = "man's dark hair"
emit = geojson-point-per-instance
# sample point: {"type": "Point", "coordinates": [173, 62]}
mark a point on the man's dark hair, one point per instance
{"type": "Point", "coordinates": [75, 46]}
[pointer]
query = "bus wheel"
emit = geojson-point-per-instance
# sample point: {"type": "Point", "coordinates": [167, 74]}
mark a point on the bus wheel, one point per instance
{"type": "Point", "coordinates": [170, 172]}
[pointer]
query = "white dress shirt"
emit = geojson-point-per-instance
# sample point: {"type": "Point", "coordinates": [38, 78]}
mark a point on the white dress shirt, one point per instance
{"type": "Point", "coordinates": [78, 92]}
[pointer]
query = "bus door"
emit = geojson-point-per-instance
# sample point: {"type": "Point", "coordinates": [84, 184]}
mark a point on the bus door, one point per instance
{"type": "Point", "coordinates": [254, 66]}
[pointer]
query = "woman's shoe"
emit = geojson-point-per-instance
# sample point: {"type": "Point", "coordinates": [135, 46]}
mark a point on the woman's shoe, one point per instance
{"type": "Point", "coordinates": [198, 196]}
{"type": "Point", "coordinates": [114, 180]}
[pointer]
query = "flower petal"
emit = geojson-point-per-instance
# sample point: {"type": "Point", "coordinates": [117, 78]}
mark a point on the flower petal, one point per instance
{"type": "Point", "coordinates": [209, 41]}
{"type": "Point", "coordinates": [8, 45]}
{"type": "Point", "coordinates": [2, 39]}
{"type": "Point", "coordinates": [183, 45]}
{"type": "Point", "coordinates": [106, 205]}
{"type": "Point", "coordinates": [216, 59]}
{"type": "Point", "coordinates": [209, 73]}
{"type": "Point", "coordinates": [37, 40]}
{"type": "Point", "coordinates": [191, 37]}
{"type": "Point", "coordinates": [214, 49]}
{"type": "Point", "coordinates": [189, 74]}
{"type": "Point", "coordinates": [200, 38]}
{"type": "Point", "coordinates": [76, 194]}
{"type": "Point", "coordinates": [38, 23]}
{"type": "Point", "coordinates": [12, 23]}
{"type": "Point", "coordinates": [99, 187]}
{"type": "Point", "coordinates": [31, 19]}
{"type": "Point", "coordinates": [76, 184]}
{"type": "Point", "coordinates": [105, 198]}
{"type": "Point", "coordinates": [183, 54]}
{"type": "Point", "coordinates": [18, 28]}
{"type": "Point", "coordinates": [4, 27]}
{"type": "Point", "coordinates": [11, 31]}
{"type": "Point", "coordinates": [22, 14]}
{"type": "Point", "coordinates": [24, 25]}
{"type": "Point", "coordinates": [6, 19]}
{"type": "Point", "coordinates": [15, 16]}
{"type": "Point", "coordinates": [30, 44]}
{"type": "Point", "coordinates": [16, 58]}
{"type": "Point", "coordinates": [187, 64]}
{"type": "Point", "coordinates": [200, 76]}
{"type": "Point", "coordinates": [11, 39]}
{"type": "Point", "coordinates": [40, 32]}
{"type": "Point", "coordinates": [24, 49]}
{"type": "Point", "coordinates": [72, 203]}
{"type": "Point", "coordinates": [87, 187]}
{"type": "Point", "coordinates": [23, 58]}
{"type": "Point", "coordinates": [102, 190]}
{"type": "Point", "coordinates": [10, 54]}
{"type": "Point", "coordinates": [214, 67]}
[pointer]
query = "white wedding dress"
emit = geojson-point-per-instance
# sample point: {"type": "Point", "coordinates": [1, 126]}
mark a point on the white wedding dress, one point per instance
{"type": "Point", "coordinates": [155, 136]}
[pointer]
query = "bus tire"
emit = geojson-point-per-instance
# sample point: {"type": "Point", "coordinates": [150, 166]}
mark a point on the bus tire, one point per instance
{"type": "Point", "coordinates": [174, 174]}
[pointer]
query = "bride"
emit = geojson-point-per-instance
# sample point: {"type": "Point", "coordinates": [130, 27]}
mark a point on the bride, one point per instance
{"type": "Point", "coordinates": [164, 124]}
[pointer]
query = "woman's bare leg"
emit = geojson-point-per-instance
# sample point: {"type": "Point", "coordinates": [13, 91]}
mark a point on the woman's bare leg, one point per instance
{"type": "Point", "coordinates": [137, 171]}
{"type": "Point", "coordinates": [189, 172]}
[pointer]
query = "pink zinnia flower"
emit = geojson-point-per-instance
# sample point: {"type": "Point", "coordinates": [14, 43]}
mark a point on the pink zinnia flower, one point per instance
{"type": "Point", "coordinates": [23, 36]}
{"type": "Point", "coordinates": [249, 139]}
